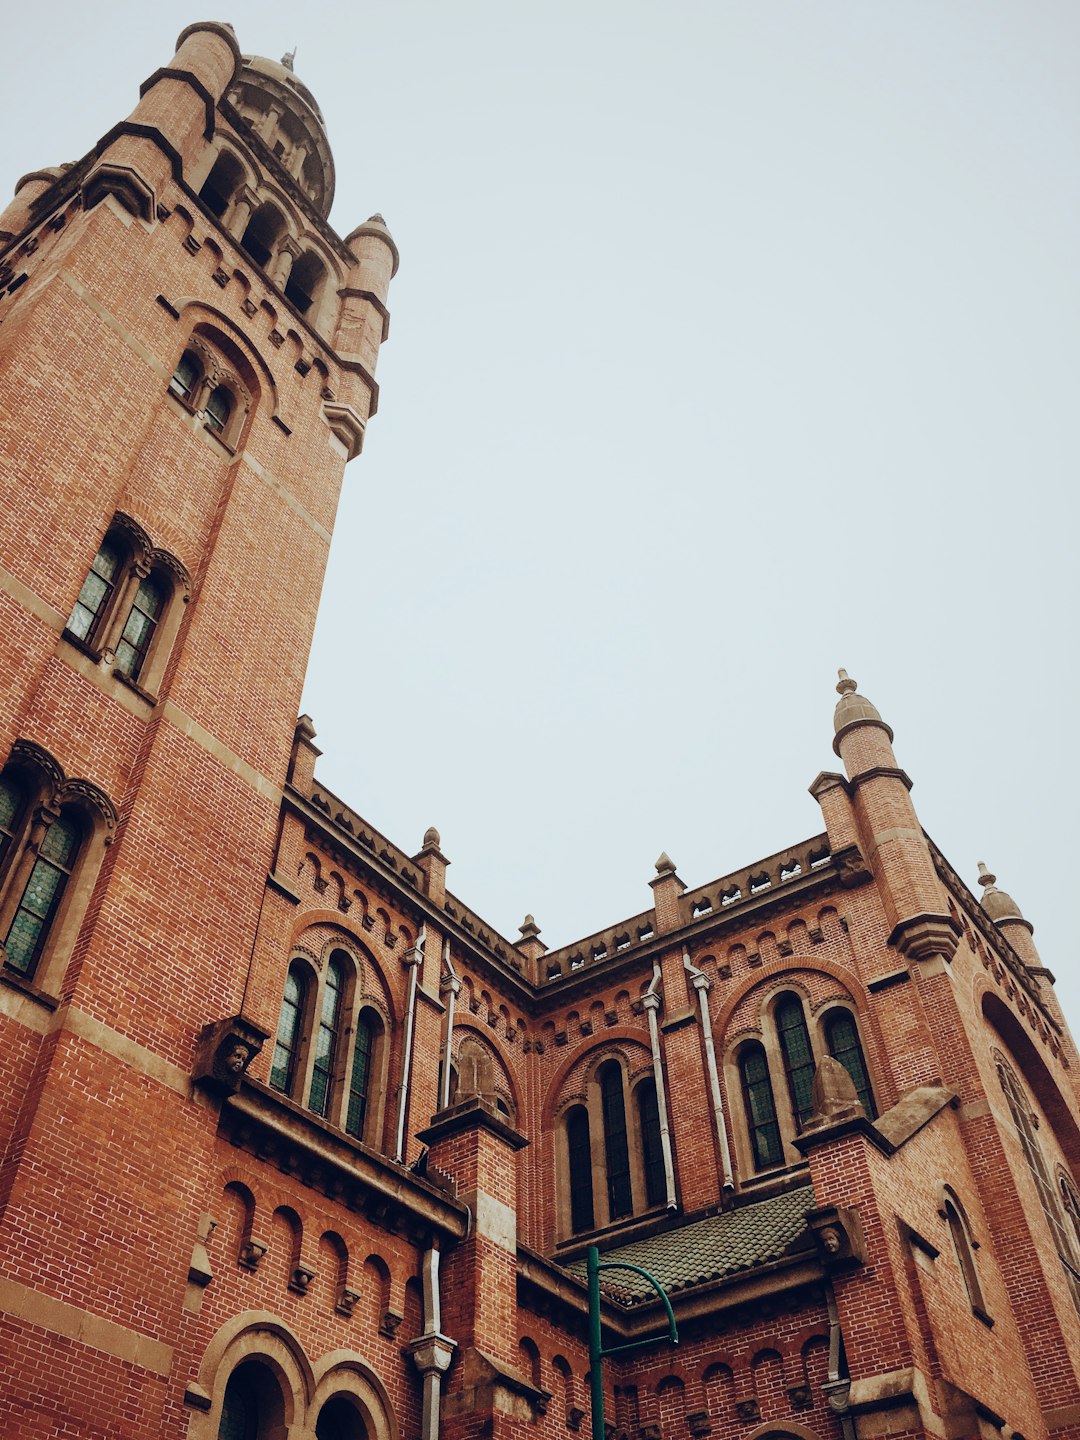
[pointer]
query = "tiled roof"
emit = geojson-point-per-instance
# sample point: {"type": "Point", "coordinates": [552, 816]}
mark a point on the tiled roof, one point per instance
{"type": "Point", "coordinates": [709, 1249]}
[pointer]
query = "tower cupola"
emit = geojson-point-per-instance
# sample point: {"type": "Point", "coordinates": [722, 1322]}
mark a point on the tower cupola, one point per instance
{"type": "Point", "coordinates": [282, 112]}
{"type": "Point", "coordinates": [1001, 907]}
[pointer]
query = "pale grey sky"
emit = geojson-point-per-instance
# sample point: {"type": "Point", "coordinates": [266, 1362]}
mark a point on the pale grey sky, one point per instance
{"type": "Point", "coordinates": [732, 342]}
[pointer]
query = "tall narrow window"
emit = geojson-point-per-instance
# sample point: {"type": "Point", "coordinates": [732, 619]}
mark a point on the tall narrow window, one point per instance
{"type": "Point", "coordinates": [579, 1148]}
{"type": "Point", "coordinates": [97, 590]}
{"type": "Point", "coordinates": [798, 1056]}
{"type": "Point", "coordinates": [1020, 1110]}
{"type": "Point", "coordinates": [186, 375]}
{"type": "Point", "coordinates": [287, 1044]}
{"type": "Point", "coordinates": [12, 801]}
{"type": "Point", "coordinates": [842, 1039]}
{"type": "Point", "coordinates": [220, 185]}
{"type": "Point", "coordinates": [138, 632]}
{"type": "Point", "coordinates": [322, 1073]}
{"type": "Point", "coordinates": [42, 894]}
{"type": "Point", "coordinates": [360, 1079]}
{"type": "Point", "coordinates": [616, 1151]}
{"type": "Point", "coordinates": [218, 409]}
{"type": "Point", "coordinates": [652, 1150]}
{"type": "Point", "coordinates": [305, 281]}
{"type": "Point", "coordinates": [261, 235]}
{"type": "Point", "coordinates": [964, 1248]}
{"type": "Point", "coordinates": [240, 1407]}
{"type": "Point", "coordinates": [760, 1107]}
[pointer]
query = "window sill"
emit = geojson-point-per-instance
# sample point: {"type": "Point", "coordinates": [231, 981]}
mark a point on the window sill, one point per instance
{"type": "Point", "coordinates": [17, 981]}
{"type": "Point", "coordinates": [630, 1227]}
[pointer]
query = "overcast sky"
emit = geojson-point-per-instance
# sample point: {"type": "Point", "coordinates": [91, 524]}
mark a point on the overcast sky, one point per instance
{"type": "Point", "coordinates": [732, 343]}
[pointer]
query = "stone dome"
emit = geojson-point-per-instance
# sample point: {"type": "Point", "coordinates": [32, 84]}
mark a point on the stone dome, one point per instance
{"type": "Point", "coordinates": [283, 113]}
{"type": "Point", "coordinates": [854, 709]}
{"type": "Point", "coordinates": [999, 905]}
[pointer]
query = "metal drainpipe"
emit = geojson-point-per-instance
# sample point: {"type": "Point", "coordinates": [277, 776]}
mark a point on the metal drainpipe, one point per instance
{"type": "Point", "coordinates": [837, 1387]}
{"type": "Point", "coordinates": [651, 1001]}
{"type": "Point", "coordinates": [700, 982]}
{"type": "Point", "coordinates": [432, 1351]}
{"type": "Point", "coordinates": [414, 960]}
{"type": "Point", "coordinates": [451, 987]}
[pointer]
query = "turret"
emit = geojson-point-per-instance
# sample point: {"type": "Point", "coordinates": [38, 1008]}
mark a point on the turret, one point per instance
{"type": "Point", "coordinates": [889, 833]}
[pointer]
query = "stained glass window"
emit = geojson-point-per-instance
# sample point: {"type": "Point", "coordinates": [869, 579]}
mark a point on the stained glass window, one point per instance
{"type": "Point", "coordinates": [652, 1150]}
{"type": "Point", "coordinates": [359, 1081]}
{"type": "Point", "coordinates": [286, 1045]}
{"type": "Point", "coordinates": [139, 630]}
{"type": "Point", "coordinates": [842, 1038]}
{"type": "Point", "coordinates": [798, 1056]}
{"type": "Point", "coordinates": [580, 1150]}
{"type": "Point", "coordinates": [90, 608]}
{"type": "Point", "coordinates": [616, 1152]}
{"type": "Point", "coordinates": [326, 1038]}
{"type": "Point", "coordinates": [42, 894]}
{"type": "Point", "coordinates": [760, 1107]}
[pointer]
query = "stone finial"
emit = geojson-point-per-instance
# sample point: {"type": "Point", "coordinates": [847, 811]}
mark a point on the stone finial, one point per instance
{"type": "Point", "coordinates": [665, 865]}
{"type": "Point", "coordinates": [529, 928]}
{"type": "Point", "coordinates": [853, 709]}
{"type": "Point", "coordinates": [432, 838]}
{"type": "Point", "coordinates": [1000, 907]}
{"type": "Point", "coordinates": [834, 1096]}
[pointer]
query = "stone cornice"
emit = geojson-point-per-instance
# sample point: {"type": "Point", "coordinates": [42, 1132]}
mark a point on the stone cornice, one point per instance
{"type": "Point", "coordinates": [281, 1133]}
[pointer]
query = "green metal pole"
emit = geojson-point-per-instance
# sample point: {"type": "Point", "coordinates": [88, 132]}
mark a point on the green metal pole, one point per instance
{"type": "Point", "coordinates": [596, 1376]}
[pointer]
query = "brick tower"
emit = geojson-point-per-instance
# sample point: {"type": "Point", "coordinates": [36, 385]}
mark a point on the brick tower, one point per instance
{"type": "Point", "coordinates": [294, 1145]}
{"type": "Point", "coordinates": [187, 354]}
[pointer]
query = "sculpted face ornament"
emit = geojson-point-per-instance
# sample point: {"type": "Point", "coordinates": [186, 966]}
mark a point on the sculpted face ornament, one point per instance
{"type": "Point", "coordinates": [832, 1240]}
{"type": "Point", "coordinates": [236, 1058]}
{"type": "Point", "coordinates": [224, 1051]}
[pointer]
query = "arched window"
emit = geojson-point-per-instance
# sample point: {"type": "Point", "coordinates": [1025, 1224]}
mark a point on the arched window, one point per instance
{"type": "Point", "coordinates": [338, 1420]}
{"type": "Point", "coordinates": [262, 233]}
{"type": "Point", "coordinates": [305, 281]}
{"type": "Point", "coordinates": [287, 1044]}
{"type": "Point", "coordinates": [219, 409]}
{"type": "Point", "coordinates": [579, 1147]}
{"type": "Point", "coordinates": [1020, 1109]}
{"type": "Point", "coordinates": [798, 1056]}
{"type": "Point", "coordinates": [252, 1407]}
{"type": "Point", "coordinates": [124, 611]}
{"type": "Point", "coordinates": [842, 1040]}
{"type": "Point", "coordinates": [360, 1077]}
{"type": "Point", "coordinates": [616, 1150]}
{"type": "Point", "coordinates": [760, 1107]}
{"type": "Point", "coordinates": [1071, 1204]}
{"type": "Point", "coordinates": [12, 810]}
{"type": "Point", "coordinates": [42, 893]}
{"type": "Point", "coordinates": [134, 643]}
{"type": "Point", "coordinates": [964, 1247]}
{"type": "Point", "coordinates": [92, 606]}
{"type": "Point", "coordinates": [186, 376]}
{"type": "Point", "coordinates": [326, 1038]}
{"type": "Point", "coordinates": [652, 1151]}
{"type": "Point", "coordinates": [220, 185]}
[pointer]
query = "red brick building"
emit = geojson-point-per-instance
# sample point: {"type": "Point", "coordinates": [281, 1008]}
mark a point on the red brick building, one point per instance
{"type": "Point", "coordinates": [295, 1143]}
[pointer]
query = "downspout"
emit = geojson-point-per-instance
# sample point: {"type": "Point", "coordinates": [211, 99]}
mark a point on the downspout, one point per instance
{"type": "Point", "coordinates": [414, 959]}
{"type": "Point", "coordinates": [837, 1387]}
{"type": "Point", "coordinates": [701, 984]}
{"type": "Point", "coordinates": [651, 1003]}
{"type": "Point", "coordinates": [451, 988]}
{"type": "Point", "coordinates": [432, 1351]}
